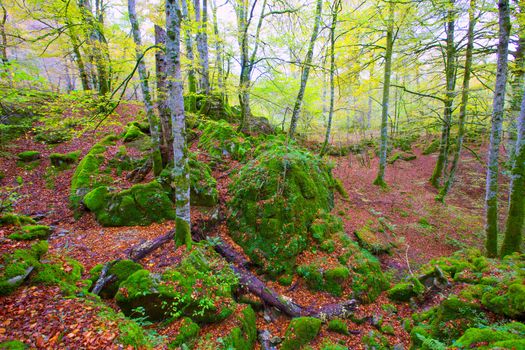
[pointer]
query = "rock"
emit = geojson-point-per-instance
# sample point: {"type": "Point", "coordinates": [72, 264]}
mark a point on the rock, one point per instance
{"type": "Point", "coordinates": [29, 156]}
{"type": "Point", "coordinates": [258, 126]}
{"type": "Point", "coordinates": [300, 332]}
{"type": "Point", "coordinates": [62, 160]}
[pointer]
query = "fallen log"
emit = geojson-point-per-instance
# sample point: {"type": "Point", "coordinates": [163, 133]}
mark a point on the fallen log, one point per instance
{"type": "Point", "coordinates": [264, 339]}
{"type": "Point", "coordinates": [104, 278]}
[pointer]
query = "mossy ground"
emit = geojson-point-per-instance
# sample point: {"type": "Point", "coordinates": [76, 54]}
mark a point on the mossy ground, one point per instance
{"type": "Point", "coordinates": [30, 232]}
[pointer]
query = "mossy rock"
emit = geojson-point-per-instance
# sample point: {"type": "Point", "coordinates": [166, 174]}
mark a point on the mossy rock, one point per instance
{"type": "Point", "coordinates": [220, 139]}
{"type": "Point", "coordinates": [63, 160]}
{"type": "Point", "coordinates": [61, 271]}
{"type": "Point", "coordinates": [141, 204]}
{"type": "Point", "coordinates": [200, 288]}
{"type": "Point", "coordinates": [13, 345]}
{"type": "Point", "coordinates": [404, 291]}
{"type": "Point", "coordinates": [257, 126]}
{"type": "Point", "coordinates": [121, 269]}
{"type": "Point", "coordinates": [15, 219]}
{"type": "Point", "coordinates": [300, 332]}
{"type": "Point", "coordinates": [507, 336]}
{"type": "Point", "coordinates": [370, 240]}
{"type": "Point", "coordinates": [188, 334]}
{"type": "Point", "coordinates": [338, 326]}
{"type": "Point", "coordinates": [143, 126]}
{"type": "Point", "coordinates": [132, 133]}
{"type": "Point", "coordinates": [213, 107]}
{"type": "Point", "coordinates": [506, 300]}
{"type": "Point", "coordinates": [404, 156]}
{"type": "Point", "coordinates": [53, 136]}
{"type": "Point", "coordinates": [330, 280]}
{"type": "Point", "coordinates": [29, 156]}
{"type": "Point", "coordinates": [30, 232]}
{"type": "Point", "coordinates": [277, 197]}
{"type": "Point", "coordinates": [432, 147]}
{"type": "Point", "coordinates": [375, 341]}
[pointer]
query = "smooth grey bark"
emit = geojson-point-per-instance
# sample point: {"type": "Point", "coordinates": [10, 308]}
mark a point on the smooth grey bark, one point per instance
{"type": "Point", "coordinates": [514, 227]}
{"type": "Point", "coordinates": [175, 105]}
{"type": "Point", "coordinates": [161, 69]}
{"type": "Point", "coordinates": [464, 101]}
{"type": "Point", "coordinates": [146, 96]}
{"type": "Point", "coordinates": [335, 10]}
{"type": "Point", "coordinates": [3, 35]}
{"type": "Point", "coordinates": [218, 52]}
{"type": "Point", "coordinates": [380, 179]}
{"type": "Point", "coordinates": [498, 104]}
{"type": "Point", "coordinates": [202, 44]}
{"type": "Point", "coordinates": [192, 81]}
{"type": "Point", "coordinates": [448, 101]}
{"type": "Point", "coordinates": [306, 70]}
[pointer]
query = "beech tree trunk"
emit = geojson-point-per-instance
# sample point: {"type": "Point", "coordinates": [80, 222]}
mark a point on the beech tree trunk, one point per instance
{"type": "Point", "coordinates": [143, 75]}
{"type": "Point", "coordinates": [192, 81]}
{"type": "Point", "coordinates": [380, 179]}
{"type": "Point", "coordinates": [464, 101]}
{"type": "Point", "coordinates": [218, 52]}
{"type": "Point", "coordinates": [3, 35]}
{"type": "Point", "coordinates": [166, 139]}
{"type": "Point", "coordinates": [335, 10]}
{"type": "Point", "coordinates": [202, 44]}
{"type": "Point", "coordinates": [450, 75]}
{"type": "Point", "coordinates": [498, 104]}
{"type": "Point", "coordinates": [175, 105]}
{"type": "Point", "coordinates": [306, 70]}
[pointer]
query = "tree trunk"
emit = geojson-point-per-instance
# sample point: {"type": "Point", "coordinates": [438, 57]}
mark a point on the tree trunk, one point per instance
{"type": "Point", "coordinates": [218, 53]}
{"type": "Point", "coordinates": [380, 179]}
{"type": "Point", "coordinates": [143, 75]}
{"type": "Point", "coordinates": [202, 44]}
{"type": "Point", "coordinates": [192, 81]}
{"type": "Point", "coordinates": [491, 196]}
{"type": "Point", "coordinates": [514, 227]}
{"type": "Point", "coordinates": [335, 11]}
{"type": "Point", "coordinates": [175, 104]}
{"type": "Point", "coordinates": [166, 139]}
{"type": "Point", "coordinates": [3, 35]}
{"type": "Point", "coordinates": [464, 101]}
{"type": "Point", "coordinates": [306, 71]}
{"type": "Point", "coordinates": [450, 75]}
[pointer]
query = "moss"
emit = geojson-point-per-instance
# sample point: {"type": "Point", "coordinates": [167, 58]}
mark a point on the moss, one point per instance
{"type": "Point", "coordinates": [220, 139]}
{"type": "Point", "coordinates": [375, 340]}
{"type": "Point", "coordinates": [63, 160]}
{"type": "Point", "coordinates": [406, 290]}
{"type": "Point", "coordinates": [53, 136]}
{"type": "Point", "coordinates": [369, 240]}
{"type": "Point", "coordinates": [338, 326]}
{"type": "Point", "coordinates": [401, 156]}
{"type": "Point", "coordinates": [141, 204]}
{"type": "Point", "coordinates": [15, 219]}
{"type": "Point", "coordinates": [121, 269]}
{"type": "Point", "coordinates": [188, 333]}
{"type": "Point", "coordinates": [511, 303]}
{"type": "Point", "coordinates": [505, 336]}
{"type": "Point", "coordinates": [328, 345]}
{"type": "Point", "coordinates": [13, 345]}
{"type": "Point", "coordinates": [278, 195]}
{"type": "Point", "coordinates": [387, 329]}
{"type": "Point", "coordinates": [200, 288]}
{"type": "Point", "coordinates": [244, 335]}
{"type": "Point", "coordinates": [28, 156]}
{"type": "Point", "coordinates": [182, 234]}
{"type": "Point", "coordinates": [30, 232]}
{"type": "Point", "coordinates": [132, 133]}
{"type": "Point", "coordinates": [285, 280]}
{"type": "Point", "coordinates": [301, 331]}
{"type": "Point", "coordinates": [432, 147]}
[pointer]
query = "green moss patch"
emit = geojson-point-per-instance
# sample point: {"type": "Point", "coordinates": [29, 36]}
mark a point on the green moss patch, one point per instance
{"type": "Point", "coordinates": [141, 204]}
{"type": "Point", "coordinates": [338, 326]}
{"type": "Point", "coordinates": [220, 139]}
{"type": "Point", "coordinates": [30, 232]}
{"type": "Point", "coordinates": [200, 288]}
{"type": "Point", "coordinates": [60, 160]}
{"type": "Point", "coordinates": [406, 290]}
{"type": "Point", "coordinates": [121, 269]}
{"type": "Point", "coordinates": [404, 156]}
{"type": "Point", "coordinates": [15, 219]}
{"type": "Point", "coordinates": [370, 240]}
{"type": "Point", "coordinates": [28, 156]}
{"type": "Point", "coordinates": [188, 333]}
{"type": "Point", "coordinates": [507, 336]}
{"type": "Point", "coordinates": [132, 133]}
{"type": "Point", "coordinates": [300, 332]}
{"type": "Point", "coordinates": [432, 147]}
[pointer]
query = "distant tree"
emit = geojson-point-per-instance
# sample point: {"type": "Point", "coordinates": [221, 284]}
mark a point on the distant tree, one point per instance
{"type": "Point", "coordinates": [202, 44]}
{"type": "Point", "coordinates": [491, 195]}
{"type": "Point", "coordinates": [188, 41]}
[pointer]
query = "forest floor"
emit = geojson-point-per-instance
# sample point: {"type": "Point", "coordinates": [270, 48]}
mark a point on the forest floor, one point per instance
{"type": "Point", "coordinates": [421, 228]}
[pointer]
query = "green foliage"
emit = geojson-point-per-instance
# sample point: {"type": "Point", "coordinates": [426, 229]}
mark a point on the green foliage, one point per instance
{"type": "Point", "coordinates": [219, 138]}
{"type": "Point", "coordinates": [432, 147]}
{"type": "Point", "coordinates": [28, 156]}
{"type": "Point", "coordinates": [244, 335]}
{"type": "Point", "coordinates": [301, 331]}
{"type": "Point", "coordinates": [278, 195]}
{"type": "Point", "coordinates": [188, 333]}
{"type": "Point", "coordinates": [338, 326]}
{"type": "Point", "coordinates": [406, 290]}
{"type": "Point", "coordinates": [30, 232]}
{"type": "Point", "coordinates": [121, 269]}
{"type": "Point", "coordinates": [141, 204]}
{"type": "Point", "coordinates": [200, 288]}
{"type": "Point", "coordinates": [132, 133]}
{"type": "Point", "coordinates": [375, 340]}
{"type": "Point", "coordinates": [507, 336]}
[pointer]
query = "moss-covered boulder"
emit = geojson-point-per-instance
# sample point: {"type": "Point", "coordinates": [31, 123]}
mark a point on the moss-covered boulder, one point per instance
{"type": "Point", "coordinates": [121, 269]}
{"type": "Point", "coordinates": [30, 232]}
{"type": "Point", "coordinates": [203, 186]}
{"type": "Point", "coordinates": [53, 135]}
{"type": "Point", "coordinates": [507, 336]}
{"type": "Point", "coordinates": [62, 271]}
{"type": "Point", "coordinates": [188, 334]}
{"type": "Point", "coordinates": [276, 198]}
{"type": "Point", "coordinates": [404, 291]}
{"type": "Point", "coordinates": [506, 300]}
{"type": "Point", "coordinates": [200, 288]}
{"type": "Point", "coordinates": [329, 279]}
{"type": "Point", "coordinates": [369, 239]}
{"type": "Point", "coordinates": [15, 219]}
{"type": "Point", "coordinates": [404, 156]}
{"type": "Point", "coordinates": [220, 139]}
{"type": "Point", "coordinates": [300, 332]}
{"type": "Point", "coordinates": [339, 326]}
{"type": "Point", "coordinates": [432, 147]}
{"type": "Point", "coordinates": [214, 107]}
{"type": "Point", "coordinates": [60, 160]}
{"type": "Point", "coordinates": [132, 133]}
{"type": "Point", "coordinates": [13, 345]}
{"type": "Point", "coordinates": [141, 204]}
{"type": "Point", "coordinates": [29, 156]}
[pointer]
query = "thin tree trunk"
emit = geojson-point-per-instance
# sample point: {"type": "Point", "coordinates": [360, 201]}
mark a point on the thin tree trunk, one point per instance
{"type": "Point", "coordinates": [175, 104]}
{"type": "Point", "coordinates": [491, 196]}
{"type": "Point", "coordinates": [464, 101]}
{"type": "Point", "coordinates": [380, 179]}
{"type": "Point", "coordinates": [143, 75]}
{"type": "Point", "coordinates": [3, 35]}
{"type": "Point", "coordinates": [192, 81]}
{"type": "Point", "coordinates": [202, 44]}
{"type": "Point", "coordinates": [450, 75]}
{"type": "Point", "coordinates": [514, 227]}
{"type": "Point", "coordinates": [306, 70]}
{"type": "Point", "coordinates": [84, 78]}
{"type": "Point", "coordinates": [335, 11]}
{"type": "Point", "coordinates": [218, 52]}
{"type": "Point", "coordinates": [166, 139]}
